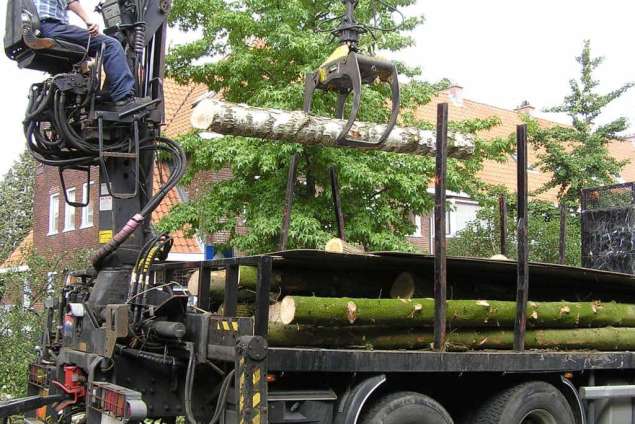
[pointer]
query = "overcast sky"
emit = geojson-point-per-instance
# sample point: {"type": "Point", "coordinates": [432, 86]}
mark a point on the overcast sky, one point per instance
{"type": "Point", "coordinates": [501, 51]}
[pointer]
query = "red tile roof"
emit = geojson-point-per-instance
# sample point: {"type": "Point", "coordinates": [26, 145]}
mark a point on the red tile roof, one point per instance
{"type": "Point", "coordinates": [17, 257]}
{"type": "Point", "coordinates": [178, 105]}
{"type": "Point", "coordinates": [182, 244]}
{"type": "Point", "coordinates": [178, 101]}
{"type": "Point", "coordinates": [497, 173]}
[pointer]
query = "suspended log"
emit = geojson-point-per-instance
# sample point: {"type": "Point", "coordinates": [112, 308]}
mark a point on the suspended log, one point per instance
{"type": "Point", "coordinates": [460, 313]}
{"type": "Point", "coordinates": [605, 339]}
{"type": "Point", "coordinates": [337, 245]}
{"type": "Point", "coordinates": [299, 127]}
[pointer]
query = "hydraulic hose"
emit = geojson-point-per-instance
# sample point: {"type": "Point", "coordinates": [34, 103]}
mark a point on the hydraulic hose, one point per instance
{"type": "Point", "coordinates": [52, 128]}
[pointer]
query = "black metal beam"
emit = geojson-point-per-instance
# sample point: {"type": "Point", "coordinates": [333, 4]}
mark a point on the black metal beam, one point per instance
{"type": "Point", "coordinates": [26, 404]}
{"type": "Point", "coordinates": [337, 204]}
{"type": "Point", "coordinates": [231, 290]}
{"type": "Point", "coordinates": [288, 202]}
{"type": "Point", "coordinates": [522, 281]}
{"type": "Point", "coordinates": [440, 264]}
{"type": "Point", "coordinates": [400, 361]}
{"type": "Point", "coordinates": [502, 212]}
{"type": "Point", "coordinates": [204, 284]}
{"type": "Point", "coordinates": [263, 285]}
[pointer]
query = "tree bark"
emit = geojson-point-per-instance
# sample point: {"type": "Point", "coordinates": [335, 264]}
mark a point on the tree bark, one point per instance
{"type": "Point", "coordinates": [605, 339]}
{"type": "Point", "coordinates": [299, 127]}
{"type": "Point", "coordinates": [461, 313]}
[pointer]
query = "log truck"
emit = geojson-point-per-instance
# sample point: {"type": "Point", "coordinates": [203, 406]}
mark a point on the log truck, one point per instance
{"type": "Point", "coordinates": [125, 341]}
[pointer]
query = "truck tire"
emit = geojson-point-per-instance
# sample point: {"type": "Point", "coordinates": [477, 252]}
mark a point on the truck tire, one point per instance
{"type": "Point", "coordinates": [407, 408]}
{"type": "Point", "coordinates": [535, 402]}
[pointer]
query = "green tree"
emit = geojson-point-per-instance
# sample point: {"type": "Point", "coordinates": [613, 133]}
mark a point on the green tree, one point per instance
{"type": "Point", "coordinates": [257, 52]}
{"type": "Point", "coordinates": [481, 237]}
{"type": "Point", "coordinates": [577, 157]}
{"type": "Point", "coordinates": [16, 204]}
{"type": "Point", "coordinates": [22, 294]}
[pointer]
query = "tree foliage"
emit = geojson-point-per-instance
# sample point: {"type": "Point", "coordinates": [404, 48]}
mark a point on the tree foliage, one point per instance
{"type": "Point", "coordinates": [16, 204]}
{"type": "Point", "coordinates": [481, 237]}
{"type": "Point", "coordinates": [22, 294]}
{"type": "Point", "coordinates": [577, 157]}
{"type": "Point", "coordinates": [257, 52]}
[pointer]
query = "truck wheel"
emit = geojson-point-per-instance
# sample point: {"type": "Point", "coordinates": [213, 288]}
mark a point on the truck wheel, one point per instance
{"type": "Point", "coordinates": [407, 408]}
{"type": "Point", "coordinates": [535, 402]}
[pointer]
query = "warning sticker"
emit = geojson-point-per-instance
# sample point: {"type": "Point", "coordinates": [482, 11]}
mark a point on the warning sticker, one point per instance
{"type": "Point", "coordinates": [105, 236]}
{"type": "Point", "coordinates": [105, 203]}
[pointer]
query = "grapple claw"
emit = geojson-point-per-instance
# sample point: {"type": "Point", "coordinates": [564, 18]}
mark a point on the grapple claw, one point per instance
{"type": "Point", "coordinates": [344, 72]}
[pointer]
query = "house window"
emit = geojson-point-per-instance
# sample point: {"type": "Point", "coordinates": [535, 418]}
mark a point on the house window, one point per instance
{"type": "Point", "coordinates": [416, 220]}
{"type": "Point", "coordinates": [69, 211]}
{"type": "Point", "coordinates": [460, 212]}
{"type": "Point", "coordinates": [54, 212]}
{"type": "Point", "coordinates": [87, 211]}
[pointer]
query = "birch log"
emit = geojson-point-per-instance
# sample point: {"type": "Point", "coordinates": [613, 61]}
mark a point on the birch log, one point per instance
{"type": "Point", "coordinates": [298, 127]}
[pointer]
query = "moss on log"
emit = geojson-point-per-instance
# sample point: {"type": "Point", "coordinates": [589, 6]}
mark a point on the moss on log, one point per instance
{"type": "Point", "coordinates": [460, 313]}
{"type": "Point", "coordinates": [373, 337]}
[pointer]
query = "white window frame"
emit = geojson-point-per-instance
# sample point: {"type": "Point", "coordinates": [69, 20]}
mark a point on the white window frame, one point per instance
{"type": "Point", "coordinates": [88, 208]}
{"type": "Point", "coordinates": [70, 212]}
{"type": "Point", "coordinates": [54, 213]}
{"type": "Point", "coordinates": [418, 221]}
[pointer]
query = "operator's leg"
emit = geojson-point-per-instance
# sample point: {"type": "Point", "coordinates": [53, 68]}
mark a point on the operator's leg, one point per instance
{"type": "Point", "coordinates": [120, 79]}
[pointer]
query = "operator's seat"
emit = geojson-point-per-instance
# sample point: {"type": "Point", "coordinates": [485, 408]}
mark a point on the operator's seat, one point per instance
{"type": "Point", "coordinates": [22, 44]}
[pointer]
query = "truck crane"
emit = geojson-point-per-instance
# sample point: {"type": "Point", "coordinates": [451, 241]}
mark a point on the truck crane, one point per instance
{"type": "Point", "coordinates": [124, 342]}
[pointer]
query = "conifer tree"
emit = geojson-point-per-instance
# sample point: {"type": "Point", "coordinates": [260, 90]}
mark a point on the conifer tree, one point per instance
{"type": "Point", "coordinates": [577, 156]}
{"type": "Point", "coordinates": [16, 204]}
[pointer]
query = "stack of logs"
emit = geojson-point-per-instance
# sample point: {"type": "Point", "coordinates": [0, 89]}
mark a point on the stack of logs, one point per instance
{"type": "Point", "coordinates": [404, 320]}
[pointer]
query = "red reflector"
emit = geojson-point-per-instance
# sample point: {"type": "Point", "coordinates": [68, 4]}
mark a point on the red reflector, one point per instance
{"type": "Point", "coordinates": [114, 402]}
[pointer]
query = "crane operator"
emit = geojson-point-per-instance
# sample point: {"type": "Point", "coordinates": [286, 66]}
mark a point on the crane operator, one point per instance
{"type": "Point", "coordinates": [54, 23]}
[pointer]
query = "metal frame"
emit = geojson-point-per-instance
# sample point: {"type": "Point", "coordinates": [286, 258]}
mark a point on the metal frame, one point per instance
{"type": "Point", "coordinates": [337, 203]}
{"type": "Point", "coordinates": [562, 243]}
{"type": "Point", "coordinates": [522, 283]}
{"type": "Point", "coordinates": [288, 202]}
{"type": "Point", "coordinates": [440, 263]}
{"type": "Point", "coordinates": [502, 212]}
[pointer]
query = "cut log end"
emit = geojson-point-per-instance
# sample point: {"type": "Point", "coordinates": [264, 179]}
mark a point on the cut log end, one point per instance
{"type": "Point", "coordinates": [336, 245]}
{"type": "Point", "coordinates": [287, 310]}
{"type": "Point", "coordinates": [351, 312]}
{"type": "Point", "coordinates": [499, 257]}
{"type": "Point", "coordinates": [403, 287]}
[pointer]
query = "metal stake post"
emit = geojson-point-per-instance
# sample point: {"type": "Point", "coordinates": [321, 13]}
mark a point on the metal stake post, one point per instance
{"type": "Point", "coordinates": [563, 233]}
{"type": "Point", "coordinates": [288, 202]}
{"type": "Point", "coordinates": [337, 203]}
{"type": "Point", "coordinates": [440, 265]}
{"type": "Point", "coordinates": [502, 212]}
{"type": "Point", "coordinates": [522, 282]}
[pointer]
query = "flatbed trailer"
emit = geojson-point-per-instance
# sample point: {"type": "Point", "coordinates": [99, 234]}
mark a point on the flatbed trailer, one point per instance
{"type": "Point", "coordinates": [346, 383]}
